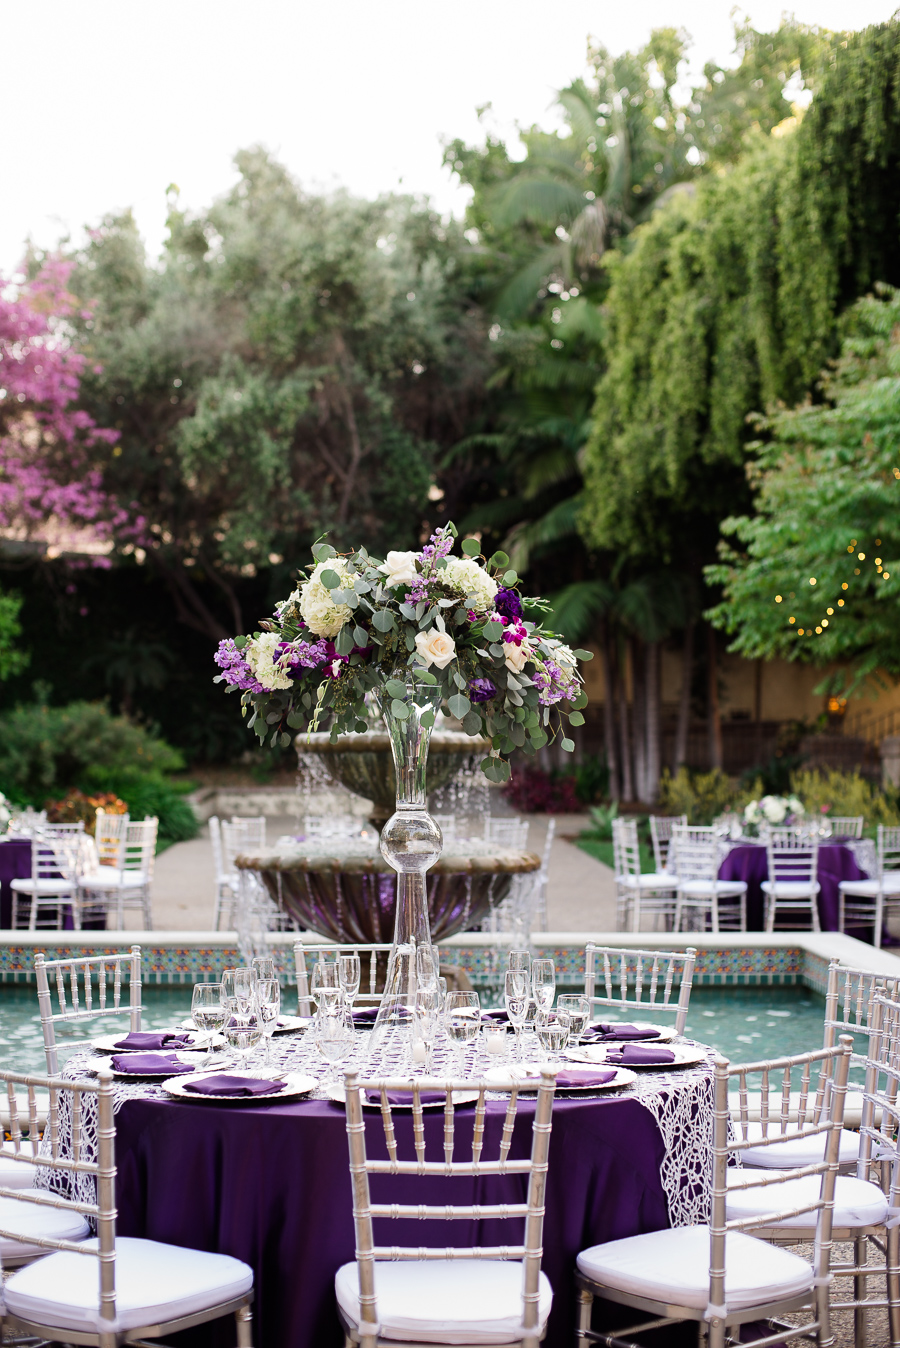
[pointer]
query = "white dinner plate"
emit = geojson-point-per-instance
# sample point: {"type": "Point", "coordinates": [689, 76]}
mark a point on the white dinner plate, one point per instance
{"type": "Point", "coordinates": [194, 1059]}
{"type": "Point", "coordinates": [335, 1092]}
{"type": "Point", "coordinates": [295, 1086]}
{"type": "Point", "coordinates": [107, 1044]}
{"type": "Point", "coordinates": [286, 1024]}
{"type": "Point", "coordinates": [664, 1033]}
{"type": "Point", "coordinates": [685, 1056]}
{"type": "Point", "coordinates": [528, 1078]}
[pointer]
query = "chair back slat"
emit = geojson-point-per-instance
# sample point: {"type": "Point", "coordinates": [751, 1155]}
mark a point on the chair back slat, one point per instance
{"type": "Point", "coordinates": [361, 1167]}
{"type": "Point", "coordinates": [98, 967]}
{"type": "Point", "coordinates": [661, 826]}
{"type": "Point", "coordinates": [368, 967]}
{"type": "Point", "coordinates": [653, 972]}
{"type": "Point", "coordinates": [846, 825]}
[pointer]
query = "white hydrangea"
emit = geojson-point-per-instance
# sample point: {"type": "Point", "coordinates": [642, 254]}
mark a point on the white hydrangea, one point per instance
{"type": "Point", "coordinates": [320, 613]}
{"type": "Point", "coordinates": [472, 581]}
{"type": "Point", "coordinates": [260, 656]}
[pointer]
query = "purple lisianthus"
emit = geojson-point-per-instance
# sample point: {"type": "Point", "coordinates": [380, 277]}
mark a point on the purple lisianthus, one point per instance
{"type": "Point", "coordinates": [481, 690]}
{"type": "Point", "coordinates": [508, 603]}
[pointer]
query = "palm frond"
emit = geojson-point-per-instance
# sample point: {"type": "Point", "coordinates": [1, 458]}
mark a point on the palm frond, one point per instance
{"type": "Point", "coordinates": [581, 318]}
{"type": "Point", "coordinates": [555, 466]}
{"type": "Point", "coordinates": [556, 524]}
{"type": "Point", "coordinates": [576, 608]}
{"type": "Point", "coordinates": [520, 291]}
{"type": "Point", "coordinates": [538, 199]}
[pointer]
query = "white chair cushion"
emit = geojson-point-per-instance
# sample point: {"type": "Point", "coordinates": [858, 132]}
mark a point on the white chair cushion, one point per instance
{"type": "Point", "coordinates": [444, 1300]}
{"type": "Point", "coordinates": [29, 1220]}
{"type": "Point", "coordinates": [790, 889]}
{"type": "Point", "coordinates": [868, 889]}
{"type": "Point", "coordinates": [154, 1283]}
{"type": "Point", "coordinates": [673, 1267]}
{"type": "Point", "coordinates": [856, 1202]}
{"type": "Point", "coordinates": [16, 1174]}
{"type": "Point", "coordinates": [114, 880]}
{"type": "Point", "coordinates": [43, 887]}
{"type": "Point", "coordinates": [650, 880]}
{"type": "Point", "coordinates": [703, 889]}
{"type": "Point", "coordinates": [796, 1151]}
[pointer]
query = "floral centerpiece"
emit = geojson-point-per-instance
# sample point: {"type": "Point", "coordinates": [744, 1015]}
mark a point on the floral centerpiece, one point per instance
{"type": "Point", "coordinates": [772, 812]}
{"type": "Point", "coordinates": [456, 624]}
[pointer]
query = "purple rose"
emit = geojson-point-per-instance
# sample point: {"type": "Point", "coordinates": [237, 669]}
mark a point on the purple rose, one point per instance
{"type": "Point", "coordinates": [481, 690]}
{"type": "Point", "coordinates": [508, 604]}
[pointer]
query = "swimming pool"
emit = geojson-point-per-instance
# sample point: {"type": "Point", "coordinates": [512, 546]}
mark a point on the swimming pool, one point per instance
{"type": "Point", "coordinates": [743, 1023]}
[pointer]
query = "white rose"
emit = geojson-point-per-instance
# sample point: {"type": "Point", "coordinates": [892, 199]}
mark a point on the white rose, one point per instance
{"type": "Point", "coordinates": [320, 613]}
{"type": "Point", "coordinates": [470, 580]}
{"type": "Point", "coordinates": [751, 811]}
{"type": "Point", "coordinates": [517, 655]}
{"type": "Point", "coordinates": [400, 568]}
{"type": "Point", "coordinates": [260, 656]}
{"type": "Point", "coordinates": [435, 648]}
{"type": "Point", "coordinates": [774, 808]}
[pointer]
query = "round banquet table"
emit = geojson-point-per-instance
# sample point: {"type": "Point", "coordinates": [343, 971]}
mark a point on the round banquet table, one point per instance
{"type": "Point", "coordinates": [15, 864]}
{"type": "Point", "coordinates": [269, 1184]}
{"type": "Point", "coordinates": [748, 862]}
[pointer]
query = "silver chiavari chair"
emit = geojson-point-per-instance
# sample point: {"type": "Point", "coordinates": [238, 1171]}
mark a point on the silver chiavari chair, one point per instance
{"type": "Point", "coordinates": [791, 887]}
{"type": "Point", "coordinates": [846, 825]}
{"type": "Point", "coordinates": [639, 893]}
{"type": "Point", "coordinates": [368, 953]}
{"type": "Point", "coordinates": [400, 1294]}
{"type": "Point", "coordinates": [720, 1275]}
{"type": "Point", "coordinates": [78, 1000]}
{"type": "Point", "coordinates": [660, 981]}
{"type": "Point", "coordinates": [867, 902]}
{"type": "Point", "coordinates": [143, 1289]}
{"type": "Point", "coordinates": [661, 826]}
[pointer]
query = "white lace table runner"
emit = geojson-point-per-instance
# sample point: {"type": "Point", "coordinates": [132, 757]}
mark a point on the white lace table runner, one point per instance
{"type": "Point", "coordinates": [681, 1103]}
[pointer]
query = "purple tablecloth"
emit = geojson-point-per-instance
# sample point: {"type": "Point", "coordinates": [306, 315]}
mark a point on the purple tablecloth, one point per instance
{"type": "Point", "coordinates": [749, 862]}
{"type": "Point", "coordinates": [271, 1186]}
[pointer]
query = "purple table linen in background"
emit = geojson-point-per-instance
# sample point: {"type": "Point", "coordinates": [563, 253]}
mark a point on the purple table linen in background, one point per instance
{"type": "Point", "coordinates": [271, 1186]}
{"type": "Point", "coordinates": [15, 864]}
{"type": "Point", "coordinates": [749, 862]}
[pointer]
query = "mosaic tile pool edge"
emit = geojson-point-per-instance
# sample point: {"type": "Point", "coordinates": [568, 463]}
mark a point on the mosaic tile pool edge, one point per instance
{"type": "Point", "coordinates": [173, 964]}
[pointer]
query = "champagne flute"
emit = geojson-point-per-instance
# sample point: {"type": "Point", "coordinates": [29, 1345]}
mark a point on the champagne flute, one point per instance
{"type": "Point", "coordinates": [268, 1001]}
{"type": "Point", "coordinates": [349, 974]}
{"type": "Point", "coordinates": [519, 959]}
{"type": "Point", "coordinates": [263, 966]}
{"type": "Point", "coordinates": [543, 983]}
{"type": "Point", "coordinates": [516, 997]}
{"type": "Point", "coordinates": [208, 1012]}
{"type": "Point", "coordinates": [577, 1008]}
{"type": "Point", "coordinates": [462, 1019]}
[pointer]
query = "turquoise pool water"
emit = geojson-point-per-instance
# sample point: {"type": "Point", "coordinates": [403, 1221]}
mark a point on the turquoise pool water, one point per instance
{"type": "Point", "coordinates": [744, 1023]}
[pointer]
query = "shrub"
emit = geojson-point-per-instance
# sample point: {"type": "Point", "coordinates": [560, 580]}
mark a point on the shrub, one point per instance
{"type": "Point", "coordinates": [76, 805]}
{"type": "Point", "coordinates": [149, 794]}
{"type": "Point", "coordinates": [702, 796]}
{"type": "Point", "coordinates": [845, 793]}
{"type": "Point", "coordinates": [534, 791]}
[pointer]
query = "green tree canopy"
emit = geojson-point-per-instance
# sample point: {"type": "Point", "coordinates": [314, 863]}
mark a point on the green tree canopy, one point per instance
{"type": "Point", "coordinates": [818, 576]}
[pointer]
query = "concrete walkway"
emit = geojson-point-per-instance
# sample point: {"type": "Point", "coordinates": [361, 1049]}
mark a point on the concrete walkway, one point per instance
{"type": "Point", "coordinates": [580, 890]}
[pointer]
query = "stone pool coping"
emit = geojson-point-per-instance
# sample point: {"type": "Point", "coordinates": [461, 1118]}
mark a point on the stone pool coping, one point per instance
{"type": "Point", "coordinates": [726, 959]}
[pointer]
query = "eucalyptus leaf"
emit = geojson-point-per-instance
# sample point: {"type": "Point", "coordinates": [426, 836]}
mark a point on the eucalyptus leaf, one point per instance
{"type": "Point", "coordinates": [400, 710]}
{"type": "Point", "coordinates": [322, 551]}
{"type": "Point", "coordinates": [568, 746]}
{"type": "Point", "coordinates": [471, 547]}
{"type": "Point", "coordinates": [383, 620]}
{"type": "Point", "coordinates": [427, 719]}
{"type": "Point", "coordinates": [510, 577]}
{"type": "Point", "coordinates": [360, 636]}
{"type": "Point", "coordinates": [284, 740]}
{"type": "Point", "coordinates": [330, 579]}
{"type": "Point", "coordinates": [459, 705]}
{"type": "Point", "coordinates": [576, 718]}
{"type": "Point", "coordinates": [396, 689]}
{"type": "Point", "coordinates": [499, 559]}
{"type": "Point", "coordinates": [343, 642]}
{"type": "Point", "coordinates": [493, 630]}
{"type": "Point", "coordinates": [583, 655]}
{"type": "Point", "coordinates": [472, 722]}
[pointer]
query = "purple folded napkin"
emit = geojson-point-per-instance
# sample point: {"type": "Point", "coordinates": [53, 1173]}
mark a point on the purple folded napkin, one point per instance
{"type": "Point", "coordinates": [150, 1064]}
{"type": "Point", "coordinates": [222, 1084]}
{"type": "Point", "coordinates": [143, 1040]}
{"type": "Point", "coordinates": [406, 1097]}
{"type": "Point", "coordinates": [365, 1013]}
{"type": "Point", "coordinates": [497, 1015]}
{"type": "Point", "coordinates": [640, 1055]}
{"type": "Point", "coordinates": [602, 1032]}
{"type": "Point", "coordinates": [587, 1076]}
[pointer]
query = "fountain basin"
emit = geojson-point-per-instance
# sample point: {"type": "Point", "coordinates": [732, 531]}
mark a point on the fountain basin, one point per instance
{"type": "Point", "coordinates": [348, 893]}
{"type": "Point", "coordinates": [363, 763]}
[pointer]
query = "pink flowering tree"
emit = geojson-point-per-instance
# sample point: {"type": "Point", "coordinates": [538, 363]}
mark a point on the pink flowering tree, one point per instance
{"type": "Point", "coordinates": [50, 459]}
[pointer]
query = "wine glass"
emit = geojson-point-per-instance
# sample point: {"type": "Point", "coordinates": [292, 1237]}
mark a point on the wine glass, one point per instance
{"type": "Point", "coordinates": [462, 1020]}
{"type": "Point", "coordinates": [349, 974]}
{"type": "Point", "coordinates": [263, 966]}
{"type": "Point", "coordinates": [208, 1012]}
{"type": "Point", "coordinates": [543, 983]}
{"type": "Point", "coordinates": [553, 1031]}
{"type": "Point", "coordinates": [516, 994]}
{"type": "Point", "coordinates": [577, 1008]}
{"type": "Point", "coordinates": [268, 1002]}
{"type": "Point", "coordinates": [519, 959]}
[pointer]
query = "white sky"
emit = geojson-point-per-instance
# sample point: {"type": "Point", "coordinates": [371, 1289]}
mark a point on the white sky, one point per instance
{"type": "Point", "coordinates": [106, 102]}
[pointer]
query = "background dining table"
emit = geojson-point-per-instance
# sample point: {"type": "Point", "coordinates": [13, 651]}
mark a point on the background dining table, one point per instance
{"type": "Point", "coordinates": [15, 864]}
{"type": "Point", "coordinates": [748, 861]}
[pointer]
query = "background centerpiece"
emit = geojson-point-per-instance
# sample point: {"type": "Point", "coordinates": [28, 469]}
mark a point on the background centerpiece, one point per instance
{"type": "Point", "coordinates": [418, 631]}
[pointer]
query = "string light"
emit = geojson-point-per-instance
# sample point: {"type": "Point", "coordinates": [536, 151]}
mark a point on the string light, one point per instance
{"type": "Point", "coordinates": [800, 631]}
{"type": "Point", "coordinates": [792, 620]}
{"type": "Point", "coordinates": [812, 580]}
{"type": "Point", "coordinates": [861, 556]}
{"type": "Point", "coordinates": [824, 624]}
{"type": "Point", "coordinates": [844, 586]}
{"type": "Point", "coordinates": [885, 575]}
{"type": "Point", "coordinates": [818, 631]}
{"type": "Point", "coordinates": [830, 611]}
{"type": "Point", "coordinates": [840, 603]}
{"type": "Point", "coordinates": [778, 599]}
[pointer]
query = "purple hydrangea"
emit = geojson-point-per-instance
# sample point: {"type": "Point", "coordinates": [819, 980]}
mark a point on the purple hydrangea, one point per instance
{"type": "Point", "coordinates": [481, 690]}
{"type": "Point", "coordinates": [508, 603]}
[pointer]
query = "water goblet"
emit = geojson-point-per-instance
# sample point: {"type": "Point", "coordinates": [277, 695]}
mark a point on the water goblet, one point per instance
{"type": "Point", "coordinates": [553, 1031]}
{"type": "Point", "coordinates": [208, 1012]}
{"type": "Point", "coordinates": [462, 1021]}
{"type": "Point", "coordinates": [577, 1008]}
{"type": "Point", "coordinates": [543, 983]}
{"type": "Point", "coordinates": [516, 996]}
{"type": "Point", "coordinates": [268, 1002]}
{"type": "Point", "coordinates": [243, 1032]}
{"type": "Point", "coordinates": [349, 974]}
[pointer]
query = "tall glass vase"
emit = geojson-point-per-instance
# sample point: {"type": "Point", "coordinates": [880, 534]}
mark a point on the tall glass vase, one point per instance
{"type": "Point", "coordinates": [410, 842]}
